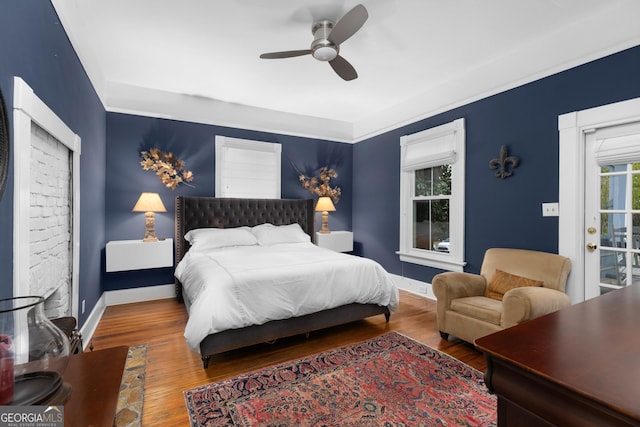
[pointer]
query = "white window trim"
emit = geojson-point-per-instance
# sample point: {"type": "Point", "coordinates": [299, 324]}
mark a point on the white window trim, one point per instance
{"type": "Point", "coordinates": [454, 260]}
{"type": "Point", "coordinates": [224, 144]}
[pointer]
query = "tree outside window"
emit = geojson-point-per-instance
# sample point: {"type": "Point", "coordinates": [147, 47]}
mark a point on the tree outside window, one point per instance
{"type": "Point", "coordinates": [431, 203]}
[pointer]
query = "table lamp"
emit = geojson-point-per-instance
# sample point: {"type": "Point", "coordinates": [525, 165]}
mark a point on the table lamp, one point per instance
{"type": "Point", "coordinates": [149, 203]}
{"type": "Point", "coordinates": [325, 205]}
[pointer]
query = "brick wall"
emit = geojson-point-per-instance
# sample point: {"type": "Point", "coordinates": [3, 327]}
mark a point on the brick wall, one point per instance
{"type": "Point", "coordinates": [50, 245]}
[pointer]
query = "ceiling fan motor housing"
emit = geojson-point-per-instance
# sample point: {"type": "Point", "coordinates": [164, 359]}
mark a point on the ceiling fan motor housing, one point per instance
{"type": "Point", "coordinates": [321, 48]}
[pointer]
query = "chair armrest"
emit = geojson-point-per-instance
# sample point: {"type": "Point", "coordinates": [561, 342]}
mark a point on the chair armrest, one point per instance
{"type": "Point", "coordinates": [526, 303]}
{"type": "Point", "coordinates": [453, 284]}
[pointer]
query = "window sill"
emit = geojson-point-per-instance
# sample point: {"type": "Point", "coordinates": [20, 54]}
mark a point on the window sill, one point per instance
{"type": "Point", "coordinates": [442, 262]}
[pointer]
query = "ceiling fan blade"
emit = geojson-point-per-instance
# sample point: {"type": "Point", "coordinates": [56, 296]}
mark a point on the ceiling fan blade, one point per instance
{"type": "Point", "coordinates": [347, 26]}
{"type": "Point", "coordinates": [342, 68]}
{"type": "Point", "coordinates": [285, 54]}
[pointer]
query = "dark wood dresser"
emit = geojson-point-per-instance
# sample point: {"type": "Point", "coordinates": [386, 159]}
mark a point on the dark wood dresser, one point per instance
{"type": "Point", "coordinates": [95, 378]}
{"type": "Point", "coordinates": [579, 366]}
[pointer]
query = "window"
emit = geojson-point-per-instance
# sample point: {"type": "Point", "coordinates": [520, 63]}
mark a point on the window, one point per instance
{"type": "Point", "coordinates": [247, 169]}
{"type": "Point", "coordinates": [432, 197]}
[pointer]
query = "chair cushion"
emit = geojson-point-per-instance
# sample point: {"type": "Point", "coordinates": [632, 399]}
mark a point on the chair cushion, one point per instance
{"type": "Point", "coordinates": [501, 282]}
{"type": "Point", "coordinates": [479, 307]}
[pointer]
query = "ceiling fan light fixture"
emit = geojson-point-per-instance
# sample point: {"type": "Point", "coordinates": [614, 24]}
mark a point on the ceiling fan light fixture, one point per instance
{"type": "Point", "coordinates": [325, 53]}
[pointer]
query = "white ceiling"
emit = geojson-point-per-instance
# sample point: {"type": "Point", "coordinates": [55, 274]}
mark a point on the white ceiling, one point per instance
{"type": "Point", "coordinates": [198, 60]}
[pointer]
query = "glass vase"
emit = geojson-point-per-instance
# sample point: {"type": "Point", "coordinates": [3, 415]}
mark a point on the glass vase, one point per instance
{"type": "Point", "coordinates": [33, 353]}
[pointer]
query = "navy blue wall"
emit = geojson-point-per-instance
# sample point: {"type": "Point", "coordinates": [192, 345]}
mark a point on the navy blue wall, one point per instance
{"type": "Point", "coordinates": [498, 213]}
{"type": "Point", "coordinates": [34, 46]}
{"type": "Point", "coordinates": [194, 143]}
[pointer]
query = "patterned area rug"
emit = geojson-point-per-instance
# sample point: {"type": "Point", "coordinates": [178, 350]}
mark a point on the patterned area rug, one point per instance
{"type": "Point", "coordinates": [131, 397]}
{"type": "Point", "coordinates": [387, 380]}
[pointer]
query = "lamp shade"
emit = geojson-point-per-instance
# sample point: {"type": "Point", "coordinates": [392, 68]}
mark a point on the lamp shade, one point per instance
{"type": "Point", "coordinates": [149, 202]}
{"type": "Point", "coordinates": [325, 204]}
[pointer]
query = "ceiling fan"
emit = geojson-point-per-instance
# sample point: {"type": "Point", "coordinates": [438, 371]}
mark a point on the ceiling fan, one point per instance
{"type": "Point", "coordinates": [327, 38]}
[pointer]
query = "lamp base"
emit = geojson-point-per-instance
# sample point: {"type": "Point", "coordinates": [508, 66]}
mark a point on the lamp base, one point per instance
{"type": "Point", "coordinates": [150, 225]}
{"type": "Point", "coordinates": [325, 223]}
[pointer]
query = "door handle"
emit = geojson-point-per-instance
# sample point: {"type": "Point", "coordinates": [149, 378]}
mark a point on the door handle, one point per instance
{"type": "Point", "coordinates": [592, 246]}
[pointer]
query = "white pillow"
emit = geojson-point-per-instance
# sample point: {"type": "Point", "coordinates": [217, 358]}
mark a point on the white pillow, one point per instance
{"type": "Point", "coordinates": [212, 238]}
{"type": "Point", "coordinates": [269, 234]}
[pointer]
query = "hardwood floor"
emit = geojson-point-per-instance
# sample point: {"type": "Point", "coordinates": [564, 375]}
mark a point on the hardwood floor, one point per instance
{"type": "Point", "coordinates": [173, 367]}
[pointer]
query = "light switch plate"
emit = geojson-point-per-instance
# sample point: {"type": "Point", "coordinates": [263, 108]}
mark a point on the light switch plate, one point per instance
{"type": "Point", "coordinates": [550, 209]}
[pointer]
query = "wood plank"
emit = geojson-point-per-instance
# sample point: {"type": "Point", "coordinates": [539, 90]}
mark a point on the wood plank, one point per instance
{"type": "Point", "coordinates": [172, 367]}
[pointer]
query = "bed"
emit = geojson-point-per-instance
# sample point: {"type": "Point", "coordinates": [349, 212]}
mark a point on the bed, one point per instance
{"type": "Point", "coordinates": [198, 213]}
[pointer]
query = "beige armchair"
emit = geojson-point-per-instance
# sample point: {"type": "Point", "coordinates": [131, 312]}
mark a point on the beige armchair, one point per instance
{"type": "Point", "coordinates": [537, 281]}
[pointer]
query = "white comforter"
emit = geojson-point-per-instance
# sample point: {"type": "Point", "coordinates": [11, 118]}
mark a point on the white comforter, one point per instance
{"type": "Point", "coordinates": [234, 287]}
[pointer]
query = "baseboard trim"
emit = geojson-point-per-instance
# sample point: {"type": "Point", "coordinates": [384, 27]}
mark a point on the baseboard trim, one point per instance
{"type": "Point", "coordinates": [91, 324]}
{"type": "Point", "coordinates": [123, 296]}
{"type": "Point", "coordinates": [414, 286]}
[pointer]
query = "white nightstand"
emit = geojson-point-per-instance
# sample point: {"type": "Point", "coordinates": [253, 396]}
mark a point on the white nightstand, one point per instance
{"type": "Point", "coordinates": [339, 241]}
{"type": "Point", "coordinates": [125, 255]}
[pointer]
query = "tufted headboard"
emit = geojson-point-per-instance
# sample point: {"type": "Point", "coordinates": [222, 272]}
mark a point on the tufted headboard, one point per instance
{"type": "Point", "coordinates": [212, 212]}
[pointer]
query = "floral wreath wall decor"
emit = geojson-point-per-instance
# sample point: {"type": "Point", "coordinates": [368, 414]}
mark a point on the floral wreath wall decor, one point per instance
{"type": "Point", "coordinates": [169, 169]}
{"type": "Point", "coordinates": [321, 185]}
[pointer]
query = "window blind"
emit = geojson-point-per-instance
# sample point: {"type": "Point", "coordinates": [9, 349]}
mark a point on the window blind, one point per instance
{"type": "Point", "coordinates": [247, 169]}
{"type": "Point", "coordinates": [618, 145]}
{"type": "Point", "coordinates": [428, 151]}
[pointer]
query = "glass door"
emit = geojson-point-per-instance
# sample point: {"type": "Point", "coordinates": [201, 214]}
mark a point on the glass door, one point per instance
{"type": "Point", "coordinates": [612, 214]}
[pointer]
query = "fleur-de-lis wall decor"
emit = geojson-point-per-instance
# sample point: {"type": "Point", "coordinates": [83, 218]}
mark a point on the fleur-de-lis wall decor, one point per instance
{"type": "Point", "coordinates": [502, 163]}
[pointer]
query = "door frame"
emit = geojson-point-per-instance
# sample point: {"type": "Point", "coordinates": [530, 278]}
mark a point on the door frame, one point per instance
{"type": "Point", "coordinates": [573, 128]}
